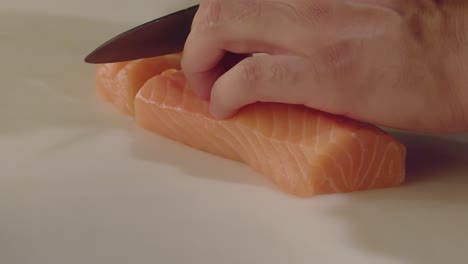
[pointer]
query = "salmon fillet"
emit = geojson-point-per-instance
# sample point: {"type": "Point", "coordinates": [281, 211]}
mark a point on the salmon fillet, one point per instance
{"type": "Point", "coordinates": [304, 152]}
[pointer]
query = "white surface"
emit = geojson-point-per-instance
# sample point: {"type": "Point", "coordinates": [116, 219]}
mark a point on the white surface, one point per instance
{"type": "Point", "coordinates": [80, 184]}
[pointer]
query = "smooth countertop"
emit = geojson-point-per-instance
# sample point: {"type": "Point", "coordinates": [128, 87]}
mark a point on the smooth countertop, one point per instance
{"type": "Point", "coordinates": [79, 183]}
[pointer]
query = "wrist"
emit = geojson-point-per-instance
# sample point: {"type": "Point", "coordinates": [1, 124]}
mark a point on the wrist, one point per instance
{"type": "Point", "coordinates": [441, 32]}
{"type": "Point", "coordinates": [455, 53]}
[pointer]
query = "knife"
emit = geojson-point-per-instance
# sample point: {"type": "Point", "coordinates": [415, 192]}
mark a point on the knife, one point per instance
{"type": "Point", "coordinates": [162, 36]}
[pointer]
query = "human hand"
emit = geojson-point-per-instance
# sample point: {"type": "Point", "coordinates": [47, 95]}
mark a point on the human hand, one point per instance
{"type": "Point", "coordinates": [386, 62]}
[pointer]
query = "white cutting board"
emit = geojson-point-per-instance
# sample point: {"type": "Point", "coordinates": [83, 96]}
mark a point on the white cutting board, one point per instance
{"type": "Point", "coordinates": [80, 184]}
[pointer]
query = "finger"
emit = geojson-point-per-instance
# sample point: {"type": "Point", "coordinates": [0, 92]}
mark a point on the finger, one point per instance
{"type": "Point", "coordinates": [201, 71]}
{"type": "Point", "coordinates": [285, 79]}
{"type": "Point", "coordinates": [202, 82]}
{"type": "Point", "coordinates": [204, 60]}
{"type": "Point", "coordinates": [265, 79]}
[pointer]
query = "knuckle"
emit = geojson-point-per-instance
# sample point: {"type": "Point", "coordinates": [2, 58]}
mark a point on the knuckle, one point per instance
{"type": "Point", "coordinates": [208, 15]}
{"type": "Point", "coordinates": [252, 70]}
{"type": "Point", "coordinates": [249, 71]}
{"type": "Point", "coordinates": [247, 8]}
{"type": "Point", "coordinates": [312, 11]}
{"type": "Point", "coordinates": [421, 16]}
{"type": "Point", "coordinates": [340, 59]}
{"type": "Point", "coordinates": [281, 72]}
{"type": "Point", "coordinates": [213, 14]}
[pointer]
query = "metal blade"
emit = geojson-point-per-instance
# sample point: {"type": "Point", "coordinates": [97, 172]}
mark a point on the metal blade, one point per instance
{"type": "Point", "coordinates": [162, 36]}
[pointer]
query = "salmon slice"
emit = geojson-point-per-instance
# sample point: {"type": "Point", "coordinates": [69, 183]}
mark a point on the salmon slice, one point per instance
{"type": "Point", "coordinates": [304, 152]}
{"type": "Point", "coordinates": [118, 84]}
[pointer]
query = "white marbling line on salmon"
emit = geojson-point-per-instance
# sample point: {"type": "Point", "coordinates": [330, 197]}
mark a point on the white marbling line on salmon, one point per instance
{"type": "Point", "coordinates": [351, 162]}
{"type": "Point", "coordinates": [317, 130]}
{"type": "Point", "coordinates": [233, 141]}
{"type": "Point", "coordinates": [279, 163]}
{"type": "Point", "coordinates": [301, 145]}
{"type": "Point", "coordinates": [302, 170]}
{"type": "Point", "coordinates": [244, 131]}
{"type": "Point", "coordinates": [280, 147]}
{"type": "Point", "coordinates": [390, 146]}
{"type": "Point", "coordinates": [329, 180]}
{"type": "Point", "coordinates": [332, 140]}
{"type": "Point", "coordinates": [358, 176]}
{"type": "Point", "coordinates": [371, 163]}
{"type": "Point", "coordinates": [277, 145]}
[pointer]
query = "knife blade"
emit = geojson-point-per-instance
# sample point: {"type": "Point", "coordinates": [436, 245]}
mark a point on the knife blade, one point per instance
{"type": "Point", "coordinates": [161, 36]}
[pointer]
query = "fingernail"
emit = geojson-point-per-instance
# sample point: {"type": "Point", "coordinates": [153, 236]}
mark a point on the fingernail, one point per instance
{"type": "Point", "coordinates": [219, 114]}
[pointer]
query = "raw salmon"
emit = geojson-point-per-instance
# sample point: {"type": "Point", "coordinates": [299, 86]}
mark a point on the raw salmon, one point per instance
{"type": "Point", "coordinates": [304, 152]}
{"type": "Point", "coordinates": [119, 82]}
